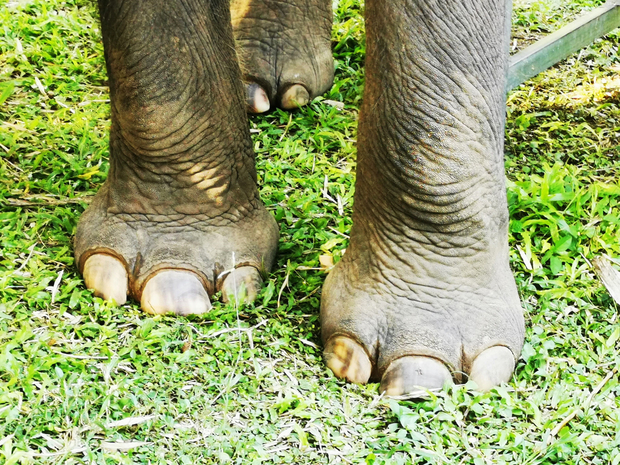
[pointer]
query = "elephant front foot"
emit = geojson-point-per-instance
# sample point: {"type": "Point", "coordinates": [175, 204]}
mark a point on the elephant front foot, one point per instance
{"type": "Point", "coordinates": [422, 324]}
{"type": "Point", "coordinates": [284, 49]}
{"type": "Point", "coordinates": [179, 217]}
{"type": "Point", "coordinates": [174, 263]}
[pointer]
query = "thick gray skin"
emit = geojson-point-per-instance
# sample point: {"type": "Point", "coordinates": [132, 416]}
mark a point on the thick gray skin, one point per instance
{"type": "Point", "coordinates": [424, 293]}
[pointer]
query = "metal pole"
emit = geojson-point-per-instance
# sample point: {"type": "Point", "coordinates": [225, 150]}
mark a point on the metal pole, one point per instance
{"type": "Point", "coordinates": [562, 43]}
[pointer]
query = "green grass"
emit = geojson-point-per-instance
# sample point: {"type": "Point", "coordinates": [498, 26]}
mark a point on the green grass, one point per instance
{"type": "Point", "coordinates": [251, 388]}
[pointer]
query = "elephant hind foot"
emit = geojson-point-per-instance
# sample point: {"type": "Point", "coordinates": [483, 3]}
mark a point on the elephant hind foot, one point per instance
{"type": "Point", "coordinates": [284, 50]}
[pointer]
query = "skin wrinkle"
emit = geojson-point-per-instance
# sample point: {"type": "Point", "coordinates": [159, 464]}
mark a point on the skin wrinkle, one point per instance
{"type": "Point", "coordinates": [397, 119]}
{"type": "Point", "coordinates": [447, 205]}
{"type": "Point", "coordinates": [415, 281]}
{"type": "Point", "coordinates": [224, 92]}
{"type": "Point", "coordinates": [192, 47]}
{"type": "Point", "coordinates": [184, 92]}
{"type": "Point", "coordinates": [440, 191]}
{"type": "Point", "coordinates": [151, 130]}
{"type": "Point", "coordinates": [457, 125]}
{"type": "Point", "coordinates": [474, 44]}
{"type": "Point", "coordinates": [415, 288]}
{"type": "Point", "coordinates": [445, 254]}
{"type": "Point", "coordinates": [199, 134]}
{"type": "Point", "coordinates": [436, 242]}
{"type": "Point", "coordinates": [432, 108]}
{"type": "Point", "coordinates": [441, 185]}
{"type": "Point", "coordinates": [443, 114]}
{"type": "Point", "coordinates": [440, 205]}
{"type": "Point", "coordinates": [460, 212]}
{"type": "Point", "coordinates": [406, 177]}
{"type": "Point", "coordinates": [150, 68]}
{"type": "Point", "coordinates": [176, 141]}
{"type": "Point", "coordinates": [436, 200]}
{"type": "Point", "coordinates": [143, 167]}
{"type": "Point", "coordinates": [455, 40]}
{"type": "Point", "coordinates": [174, 224]}
{"type": "Point", "coordinates": [150, 77]}
{"type": "Point", "coordinates": [437, 67]}
{"type": "Point", "coordinates": [488, 16]}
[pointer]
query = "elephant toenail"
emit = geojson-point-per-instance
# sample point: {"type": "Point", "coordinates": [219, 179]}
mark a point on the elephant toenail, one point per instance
{"type": "Point", "coordinates": [107, 277]}
{"type": "Point", "coordinates": [492, 367]}
{"type": "Point", "coordinates": [295, 96]}
{"type": "Point", "coordinates": [256, 98]}
{"type": "Point", "coordinates": [347, 359]}
{"type": "Point", "coordinates": [242, 285]}
{"type": "Point", "coordinates": [413, 375]}
{"type": "Point", "coordinates": [175, 291]}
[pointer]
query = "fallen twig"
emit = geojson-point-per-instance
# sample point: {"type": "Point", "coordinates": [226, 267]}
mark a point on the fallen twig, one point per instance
{"type": "Point", "coordinates": [42, 201]}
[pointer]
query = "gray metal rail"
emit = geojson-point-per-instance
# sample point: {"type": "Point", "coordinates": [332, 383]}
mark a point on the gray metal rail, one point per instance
{"type": "Point", "coordinates": [562, 43]}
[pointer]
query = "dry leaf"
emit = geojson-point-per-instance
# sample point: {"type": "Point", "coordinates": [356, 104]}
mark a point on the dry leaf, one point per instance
{"type": "Point", "coordinates": [326, 261]}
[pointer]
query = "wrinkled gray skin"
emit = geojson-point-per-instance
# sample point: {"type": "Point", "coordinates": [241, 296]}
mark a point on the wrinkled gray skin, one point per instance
{"type": "Point", "coordinates": [424, 294]}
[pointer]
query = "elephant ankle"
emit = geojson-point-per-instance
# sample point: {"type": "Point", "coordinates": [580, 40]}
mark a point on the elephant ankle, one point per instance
{"type": "Point", "coordinates": [188, 191]}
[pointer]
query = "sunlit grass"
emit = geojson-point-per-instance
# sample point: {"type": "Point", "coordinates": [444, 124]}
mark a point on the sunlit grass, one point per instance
{"type": "Point", "coordinates": [80, 378]}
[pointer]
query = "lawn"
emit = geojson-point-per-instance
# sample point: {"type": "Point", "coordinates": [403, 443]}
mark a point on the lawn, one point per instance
{"type": "Point", "coordinates": [85, 382]}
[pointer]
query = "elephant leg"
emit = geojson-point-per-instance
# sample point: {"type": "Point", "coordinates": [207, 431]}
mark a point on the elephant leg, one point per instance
{"type": "Point", "coordinates": [179, 217]}
{"type": "Point", "coordinates": [284, 48]}
{"type": "Point", "coordinates": [424, 294]}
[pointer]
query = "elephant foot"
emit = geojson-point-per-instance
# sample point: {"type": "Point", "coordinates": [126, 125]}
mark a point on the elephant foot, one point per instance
{"type": "Point", "coordinates": [174, 264]}
{"type": "Point", "coordinates": [413, 332]}
{"type": "Point", "coordinates": [284, 50]}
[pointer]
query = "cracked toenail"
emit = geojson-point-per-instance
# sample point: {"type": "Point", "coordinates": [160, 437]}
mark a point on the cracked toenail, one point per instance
{"type": "Point", "coordinates": [414, 374]}
{"type": "Point", "coordinates": [347, 359]}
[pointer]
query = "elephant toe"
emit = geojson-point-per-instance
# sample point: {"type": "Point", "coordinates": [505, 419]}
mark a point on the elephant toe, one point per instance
{"type": "Point", "coordinates": [294, 96]}
{"type": "Point", "coordinates": [242, 285]}
{"type": "Point", "coordinates": [347, 359]}
{"type": "Point", "coordinates": [175, 291]}
{"type": "Point", "coordinates": [414, 374]}
{"type": "Point", "coordinates": [257, 100]}
{"type": "Point", "coordinates": [492, 367]}
{"type": "Point", "coordinates": [107, 277]}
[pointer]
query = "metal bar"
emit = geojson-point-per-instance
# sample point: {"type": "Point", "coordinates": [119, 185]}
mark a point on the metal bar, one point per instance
{"type": "Point", "coordinates": [562, 43]}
